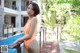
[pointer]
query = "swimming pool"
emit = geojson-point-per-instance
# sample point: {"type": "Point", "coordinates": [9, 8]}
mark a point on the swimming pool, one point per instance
{"type": "Point", "coordinates": [10, 41]}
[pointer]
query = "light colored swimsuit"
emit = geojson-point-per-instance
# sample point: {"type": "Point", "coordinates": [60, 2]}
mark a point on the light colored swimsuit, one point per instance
{"type": "Point", "coordinates": [26, 31]}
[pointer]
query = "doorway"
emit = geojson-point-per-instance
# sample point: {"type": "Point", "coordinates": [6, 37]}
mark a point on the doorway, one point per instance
{"type": "Point", "coordinates": [14, 5]}
{"type": "Point", "coordinates": [13, 21]}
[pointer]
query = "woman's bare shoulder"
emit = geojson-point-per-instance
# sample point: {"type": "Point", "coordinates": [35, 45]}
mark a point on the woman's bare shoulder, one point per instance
{"type": "Point", "coordinates": [34, 19]}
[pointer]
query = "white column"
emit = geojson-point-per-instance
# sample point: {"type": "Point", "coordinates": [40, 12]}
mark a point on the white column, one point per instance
{"type": "Point", "coordinates": [18, 18]}
{"type": "Point", "coordinates": [2, 3]}
{"type": "Point", "coordinates": [1, 21]}
{"type": "Point", "coordinates": [39, 4]}
{"type": "Point", "coordinates": [2, 14]}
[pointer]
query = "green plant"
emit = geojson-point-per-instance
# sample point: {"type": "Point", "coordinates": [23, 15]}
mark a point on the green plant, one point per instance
{"type": "Point", "coordinates": [70, 51]}
{"type": "Point", "coordinates": [73, 28]}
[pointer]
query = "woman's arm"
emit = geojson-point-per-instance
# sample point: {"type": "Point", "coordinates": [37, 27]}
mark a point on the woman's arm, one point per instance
{"type": "Point", "coordinates": [26, 37]}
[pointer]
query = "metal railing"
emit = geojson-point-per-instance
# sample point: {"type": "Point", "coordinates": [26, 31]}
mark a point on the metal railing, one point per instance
{"type": "Point", "coordinates": [9, 30]}
{"type": "Point", "coordinates": [6, 28]}
{"type": "Point", "coordinates": [43, 29]}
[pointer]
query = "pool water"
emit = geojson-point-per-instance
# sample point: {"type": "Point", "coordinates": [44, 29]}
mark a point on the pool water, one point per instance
{"type": "Point", "coordinates": [10, 41]}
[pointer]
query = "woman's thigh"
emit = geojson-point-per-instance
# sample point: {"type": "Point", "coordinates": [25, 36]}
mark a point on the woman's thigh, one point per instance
{"type": "Point", "coordinates": [34, 47]}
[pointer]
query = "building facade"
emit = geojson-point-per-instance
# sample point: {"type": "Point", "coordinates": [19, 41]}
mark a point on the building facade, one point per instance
{"type": "Point", "coordinates": [13, 15]}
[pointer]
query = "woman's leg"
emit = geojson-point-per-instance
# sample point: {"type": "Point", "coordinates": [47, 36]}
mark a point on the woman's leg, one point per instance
{"type": "Point", "coordinates": [25, 50]}
{"type": "Point", "coordinates": [30, 50]}
{"type": "Point", "coordinates": [33, 47]}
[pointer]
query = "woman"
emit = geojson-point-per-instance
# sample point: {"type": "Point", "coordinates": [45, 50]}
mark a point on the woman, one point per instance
{"type": "Point", "coordinates": [29, 30]}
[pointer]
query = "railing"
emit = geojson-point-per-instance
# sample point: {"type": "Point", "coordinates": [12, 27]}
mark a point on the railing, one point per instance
{"type": "Point", "coordinates": [59, 29]}
{"type": "Point", "coordinates": [44, 36]}
{"type": "Point", "coordinates": [17, 46]}
{"type": "Point", "coordinates": [8, 29]}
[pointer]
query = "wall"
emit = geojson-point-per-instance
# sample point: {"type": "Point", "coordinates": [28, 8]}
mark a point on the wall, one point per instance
{"type": "Point", "coordinates": [18, 18]}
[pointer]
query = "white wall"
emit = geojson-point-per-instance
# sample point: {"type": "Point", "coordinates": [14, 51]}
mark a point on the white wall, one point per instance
{"type": "Point", "coordinates": [18, 18]}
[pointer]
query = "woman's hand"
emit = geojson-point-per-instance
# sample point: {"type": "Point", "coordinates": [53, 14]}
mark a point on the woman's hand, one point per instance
{"type": "Point", "coordinates": [18, 41]}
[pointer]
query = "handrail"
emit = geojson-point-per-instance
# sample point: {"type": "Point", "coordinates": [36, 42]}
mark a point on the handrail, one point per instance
{"type": "Point", "coordinates": [17, 46]}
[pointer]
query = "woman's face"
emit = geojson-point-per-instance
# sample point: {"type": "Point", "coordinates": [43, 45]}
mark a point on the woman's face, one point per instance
{"type": "Point", "coordinates": [30, 10]}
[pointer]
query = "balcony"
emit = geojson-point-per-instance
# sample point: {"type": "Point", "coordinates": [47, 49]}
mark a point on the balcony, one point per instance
{"type": "Point", "coordinates": [10, 4]}
{"type": "Point", "coordinates": [10, 11]}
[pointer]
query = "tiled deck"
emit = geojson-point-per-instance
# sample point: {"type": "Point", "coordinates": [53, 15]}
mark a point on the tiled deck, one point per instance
{"type": "Point", "coordinates": [50, 47]}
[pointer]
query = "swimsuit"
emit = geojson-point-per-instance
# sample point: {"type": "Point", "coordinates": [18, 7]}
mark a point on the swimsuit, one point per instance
{"type": "Point", "coordinates": [26, 31]}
